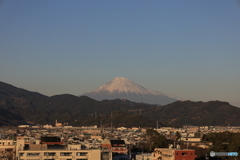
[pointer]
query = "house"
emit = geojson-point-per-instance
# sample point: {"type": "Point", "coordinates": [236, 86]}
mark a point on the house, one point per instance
{"type": "Point", "coordinates": [116, 146]}
{"type": "Point", "coordinates": [173, 154]}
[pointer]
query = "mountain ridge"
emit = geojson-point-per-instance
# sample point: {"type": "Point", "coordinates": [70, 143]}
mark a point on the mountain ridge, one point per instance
{"type": "Point", "coordinates": [10, 90]}
{"type": "Point", "coordinates": [78, 111]}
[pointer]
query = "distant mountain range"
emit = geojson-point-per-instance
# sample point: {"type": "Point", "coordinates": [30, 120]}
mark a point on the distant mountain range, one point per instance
{"type": "Point", "coordinates": [19, 106]}
{"type": "Point", "coordinates": [123, 88]}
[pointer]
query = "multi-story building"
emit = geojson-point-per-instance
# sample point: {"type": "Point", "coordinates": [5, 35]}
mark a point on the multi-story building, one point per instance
{"type": "Point", "coordinates": [7, 149]}
{"type": "Point", "coordinates": [6, 144]}
{"type": "Point", "coordinates": [94, 154]}
{"type": "Point", "coordinates": [173, 154]}
{"type": "Point", "coordinates": [58, 151]}
{"type": "Point", "coordinates": [116, 146]}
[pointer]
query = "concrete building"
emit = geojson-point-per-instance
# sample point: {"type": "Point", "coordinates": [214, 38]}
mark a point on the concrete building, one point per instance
{"type": "Point", "coordinates": [23, 126]}
{"type": "Point", "coordinates": [173, 154]}
{"type": "Point", "coordinates": [55, 150]}
{"type": "Point", "coordinates": [7, 148]}
{"type": "Point", "coordinates": [116, 146]}
{"type": "Point", "coordinates": [190, 139]}
{"type": "Point", "coordinates": [63, 154]}
{"type": "Point", "coordinates": [6, 143]}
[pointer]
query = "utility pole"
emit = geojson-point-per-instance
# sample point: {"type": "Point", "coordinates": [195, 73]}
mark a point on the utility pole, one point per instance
{"type": "Point", "coordinates": [111, 127]}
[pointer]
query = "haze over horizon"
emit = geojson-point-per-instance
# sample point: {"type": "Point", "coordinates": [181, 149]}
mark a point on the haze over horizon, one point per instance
{"type": "Point", "coordinates": [186, 49]}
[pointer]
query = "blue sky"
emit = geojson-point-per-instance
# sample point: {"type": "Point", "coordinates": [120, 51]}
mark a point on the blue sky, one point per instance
{"type": "Point", "coordinates": [187, 49]}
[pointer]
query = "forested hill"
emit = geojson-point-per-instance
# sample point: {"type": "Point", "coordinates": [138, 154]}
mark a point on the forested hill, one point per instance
{"type": "Point", "coordinates": [19, 106]}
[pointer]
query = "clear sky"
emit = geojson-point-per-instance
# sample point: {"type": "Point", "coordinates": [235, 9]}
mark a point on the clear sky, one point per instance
{"type": "Point", "coordinates": [187, 49]}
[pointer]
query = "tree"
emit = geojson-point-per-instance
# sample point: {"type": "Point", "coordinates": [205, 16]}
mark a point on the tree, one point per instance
{"type": "Point", "coordinates": [224, 142]}
{"type": "Point", "coordinates": [178, 136]}
{"type": "Point", "coordinates": [160, 142]}
{"type": "Point", "coordinates": [155, 140]}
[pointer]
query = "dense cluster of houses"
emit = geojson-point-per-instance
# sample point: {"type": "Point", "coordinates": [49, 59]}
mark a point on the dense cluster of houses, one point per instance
{"type": "Point", "coordinates": [92, 143]}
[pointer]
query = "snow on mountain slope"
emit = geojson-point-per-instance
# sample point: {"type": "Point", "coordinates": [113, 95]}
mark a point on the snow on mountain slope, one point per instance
{"type": "Point", "coordinates": [123, 88]}
{"type": "Point", "coordinates": [121, 84]}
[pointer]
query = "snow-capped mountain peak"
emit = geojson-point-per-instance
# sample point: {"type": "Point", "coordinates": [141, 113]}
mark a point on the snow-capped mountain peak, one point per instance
{"type": "Point", "coordinates": [121, 84]}
{"type": "Point", "coordinates": [123, 88]}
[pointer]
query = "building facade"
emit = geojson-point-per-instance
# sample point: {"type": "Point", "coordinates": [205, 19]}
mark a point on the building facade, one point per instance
{"type": "Point", "coordinates": [58, 151]}
{"type": "Point", "coordinates": [173, 154]}
{"type": "Point", "coordinates": [116, 146]}
{"type": "Point", "coordinates": [61, 155]}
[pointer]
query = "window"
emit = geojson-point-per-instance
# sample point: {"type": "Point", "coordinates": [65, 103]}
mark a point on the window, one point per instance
{"type": "Point", "coordinates": [49, 154]}
{"type": "Point", "coordinates": [81, 154]}
{"type": "Point", "coordinates": [65, 154]}
{"type": "Point", "coordinates": [184, 153]}
{"type": "Point", "coordinates": [33, 154]}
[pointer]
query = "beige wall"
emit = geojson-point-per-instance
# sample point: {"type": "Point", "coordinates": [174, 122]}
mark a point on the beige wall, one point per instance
{"type": "Point", "coordinates": [6, 142]}
{"type": "Point", "coordinates": [164, 153]}
{"type": "Point", "coordinates": [60, 154]}
{"type": "Point", "coordinates": [191, 139]}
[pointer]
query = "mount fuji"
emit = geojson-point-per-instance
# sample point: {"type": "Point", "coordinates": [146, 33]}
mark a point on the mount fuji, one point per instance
{"type": "Point", "coordinates": [123, 88]}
